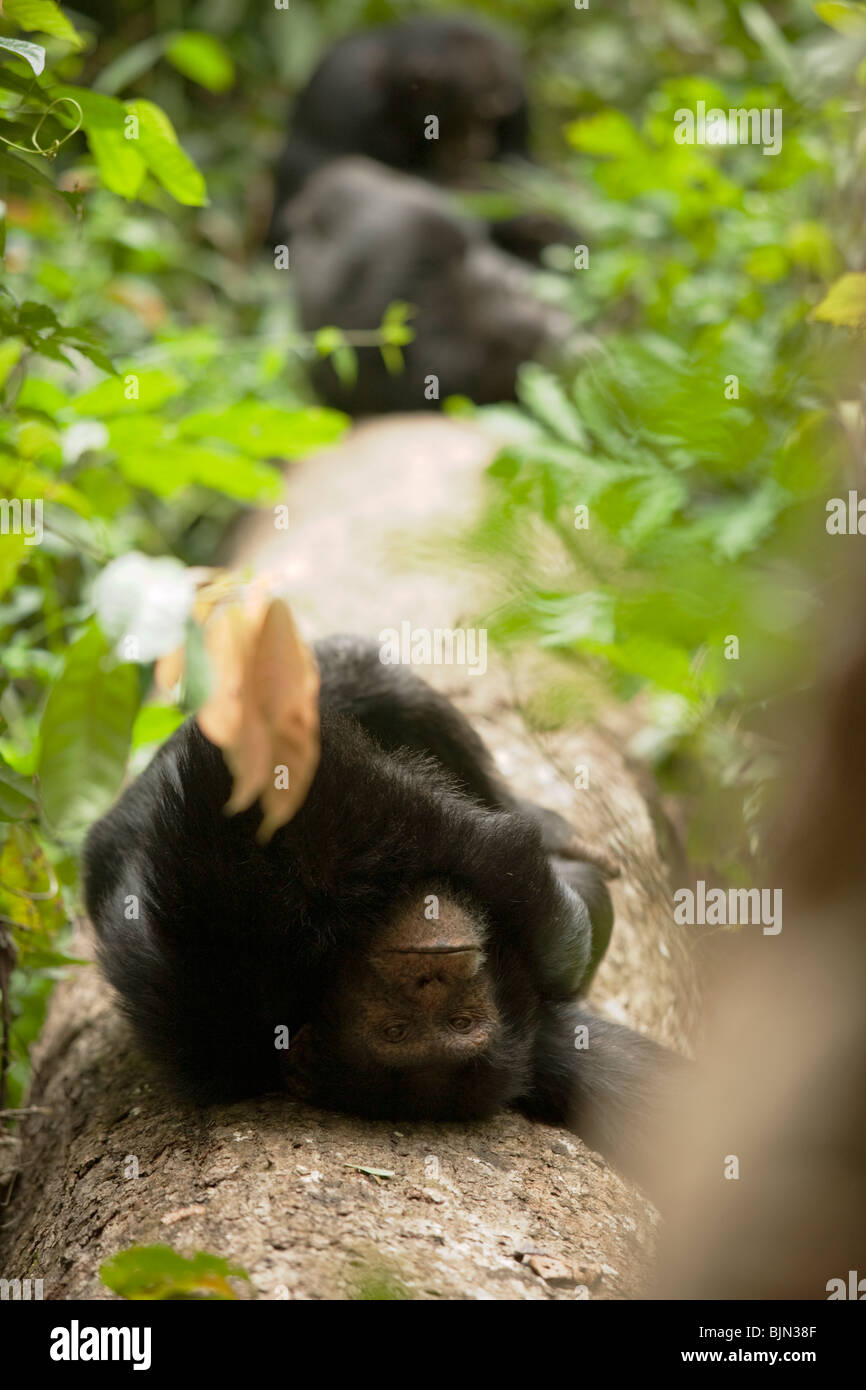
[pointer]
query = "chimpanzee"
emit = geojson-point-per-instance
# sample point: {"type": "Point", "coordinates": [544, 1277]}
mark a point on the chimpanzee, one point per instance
{"type": "Point", "coordinates": [363, 237]}
{"type": "Point", "coordinates": [421, 934]}
{"type": "Point", "coordinates": [373, 92]}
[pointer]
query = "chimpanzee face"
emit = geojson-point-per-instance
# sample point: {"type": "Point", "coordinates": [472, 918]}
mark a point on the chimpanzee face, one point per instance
{"type": "Point", "coordinates": [472, 84]}
{"type": "Point", "coordinates": [414, 1028]}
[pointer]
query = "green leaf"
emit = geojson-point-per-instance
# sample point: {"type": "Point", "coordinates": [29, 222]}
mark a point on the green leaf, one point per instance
{"type": "Point", "coordinates": [655, 660]}
{"type": "Point", "coordinates": [811, 244]}
{"type": "Point", "coordinates": [378, 1286]}
{"type": "Point", "coordinates": [95, 355]}
{"type": "Point", "coordinates": [155, 723]}
{"type": "Point", "coordinates": [114, 397]}
{"type": "Point", "coordinates": [766, 32]}
{"type": "Point", "coordinates": [845, 302]}
{"type": "Point", "coordinates": [43, 16]}
{"type": "Point", "coordinates": [202, 58]}
{"type": "Point", "coordinates": [393, 359]}
{"type": "Point", "coordinates": [28, 893]}
{"type": "Point", "coordinates": [166, 467]}
{"type": "Point", "coordinates": [29, 168]}
{"type": "Point", "coordinates": [847, 19]}
{"type": "Point", "coordinates": [740, 527]}
{"type": "Point", "coordinates": [267, 431]}
{"type": "Point", "coordinates": [151, 1272]}
{"type": "Point", "coordinates": [332, 342]}
{"type": "Point", "coordinates": [32, 53]}
{"type": "Point", "coordinates": [10, 353]}
{"type": "Point", "coordinates": [41, 958]}
{"type": "Point", "coordinates": [13, 552]}
{"type": "Point", "coordinates": [232, 474]}
{"type": "Point", "coordinates": [371, 1172]}
{"type": "Point", "coordinates": [605, 133]}
{"type": "Point", "coordinates": [121, 164]}
{"type": "Point", "coordinates": [158, 145]}
{"type": "Point", "coordinates": [32, 314]}
{"type": "Point", "coordinates": [345, 364]}
{"type": "Point", "coordinates": [539, 390]}
{"type": "Point", "coordinates": [768, 263]}
{"type": "Point", "coordinates": [564, 619]}
{"type": "Point", "coordinates": [394, 328]}
{"type": "Point", "coordinates": [85, 734]}
{"type": "Point", "coordinates": [25, 86]}
{"type": "Point", "coordinates": [50, 348]}
{"type": "Point", "coordinates": [328, 340]}
{"type": "Point", "coordinates": [658, 498]}
{"type": "Point", "coordinates": [17, 794]}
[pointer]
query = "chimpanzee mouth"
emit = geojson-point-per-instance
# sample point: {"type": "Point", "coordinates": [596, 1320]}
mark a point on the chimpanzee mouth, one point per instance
{"type": "Point", "coordinates": [428, 950]}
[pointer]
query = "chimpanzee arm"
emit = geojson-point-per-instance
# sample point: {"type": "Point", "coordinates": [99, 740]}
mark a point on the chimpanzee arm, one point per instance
{"type": "Point", "coordinates": [528, 234]}
{"type": "Point", "coordinates": [606, 1083]}
{"type": "Point", "coordinates": [589, 884]}
{"type": "Point", "coordinates": [401, 710]}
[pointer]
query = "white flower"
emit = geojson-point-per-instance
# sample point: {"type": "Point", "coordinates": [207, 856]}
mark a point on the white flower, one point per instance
{"type": "Point", "coordinates": [83, 435]}
{"type": "Point", "coordinates": [144, 604]}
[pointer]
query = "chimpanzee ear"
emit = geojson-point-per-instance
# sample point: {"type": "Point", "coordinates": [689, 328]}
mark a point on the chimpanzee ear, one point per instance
{"type": "Point", "coordinates": [296, 1065]}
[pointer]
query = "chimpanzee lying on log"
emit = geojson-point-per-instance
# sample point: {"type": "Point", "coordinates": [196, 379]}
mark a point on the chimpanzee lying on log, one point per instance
{"type": "Point", "coordinates": [421, 936]}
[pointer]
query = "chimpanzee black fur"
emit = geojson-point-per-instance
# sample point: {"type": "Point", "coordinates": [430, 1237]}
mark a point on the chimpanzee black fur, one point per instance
{"type": "Point", "coordinates": [372, 94]}
{"type": "Point", "coordinates": [373, 91]}
{"type": "Point", "coordinates": [215, 942]}
{"type": "Point", "coordinates": [363, 237]}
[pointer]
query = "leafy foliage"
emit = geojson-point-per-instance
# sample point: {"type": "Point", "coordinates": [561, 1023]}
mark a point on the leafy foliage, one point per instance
{"type": "Point", "coordinates": [667, 494]}
{"type": "Point", "coordinates": [156, 1272]}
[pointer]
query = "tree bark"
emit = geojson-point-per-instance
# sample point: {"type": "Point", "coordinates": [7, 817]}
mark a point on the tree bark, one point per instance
{"type": "Point", "coordinates": [502, 1210]}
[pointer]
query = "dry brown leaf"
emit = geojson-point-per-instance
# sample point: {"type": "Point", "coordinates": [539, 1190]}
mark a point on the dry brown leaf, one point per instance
{"type": "Point", "coordinates": [263, 712]}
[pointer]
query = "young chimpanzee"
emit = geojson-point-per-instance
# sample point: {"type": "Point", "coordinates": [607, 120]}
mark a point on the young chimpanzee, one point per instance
{"type": "Point", "coordinates": [374, 92]}
{"type": "Point", "coordinates": [363, 237]}
{"type": "Point", "coordinates": [421, 935]}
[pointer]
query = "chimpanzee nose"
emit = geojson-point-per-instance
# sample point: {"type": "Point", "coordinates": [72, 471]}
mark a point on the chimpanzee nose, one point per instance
{"type": "Point", "coordinates": [428, 981]}
{"type": "Point", "coordinates": [428, 976]}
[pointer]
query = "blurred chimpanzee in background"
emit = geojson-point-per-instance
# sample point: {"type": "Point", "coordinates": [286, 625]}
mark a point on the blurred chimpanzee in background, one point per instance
{"type": "Point", "coordinates": [366, 233]}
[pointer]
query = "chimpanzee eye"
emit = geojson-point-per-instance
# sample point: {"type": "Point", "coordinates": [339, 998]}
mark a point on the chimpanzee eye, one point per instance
{"type": "Point", "coordinates": [461, 1023]}
{"type": "Point", "coordinates": [395, 1032]}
